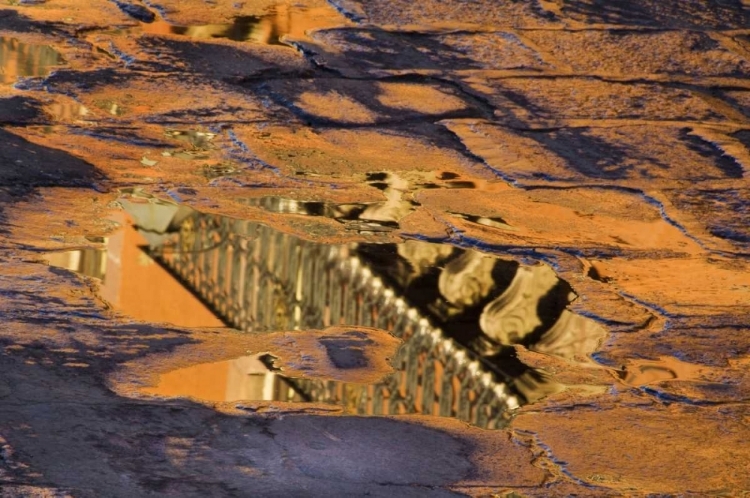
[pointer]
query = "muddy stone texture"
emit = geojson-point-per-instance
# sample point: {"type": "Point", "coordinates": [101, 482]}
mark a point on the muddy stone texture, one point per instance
{"type": "Point", "coordinates": [609, 140]}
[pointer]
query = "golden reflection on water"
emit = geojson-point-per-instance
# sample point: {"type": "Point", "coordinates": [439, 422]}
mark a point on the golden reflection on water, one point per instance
{"type": "Point", "coordinates": [643, 372]}
{"type": "Point", "coordinates": [19, 59]}
{"type": "Point", "coordinates": [266, 29]}
{"type": "Point", "coordinates": [244, 378]}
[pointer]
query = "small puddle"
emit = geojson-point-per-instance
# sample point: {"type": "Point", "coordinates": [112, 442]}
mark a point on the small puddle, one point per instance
{"type": "Point", "coordinates": [249, 377]}
{"type": "Point", "coordinates": [639, 373]}
{"type": "Point", "coordinates": [458, 311]}
{"type": "Point", "coordinates": [267, 29]}
{"type": "Point", "coordinates": [376, 216]}
{"type": "Point", "coordinates": [20, 60]}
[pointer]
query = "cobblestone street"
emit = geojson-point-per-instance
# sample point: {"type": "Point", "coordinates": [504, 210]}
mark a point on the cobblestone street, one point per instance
{"type": "Point", "coordinates": [374, 247]}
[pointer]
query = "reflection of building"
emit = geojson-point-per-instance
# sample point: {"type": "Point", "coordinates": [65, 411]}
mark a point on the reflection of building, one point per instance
{"type": "Point", "coordinates": [22, 59]}
{"type": "Point", "coordinates": [458, 312]}
{"type": "Point", "coordinates": [134, 284]}
{"type": "Point", "coordinates": [256, 278]}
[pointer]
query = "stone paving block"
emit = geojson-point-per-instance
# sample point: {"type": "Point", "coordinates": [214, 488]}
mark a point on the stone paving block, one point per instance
{"type": "Point", "coordinates": [713, 286]}
{"type": "Point", "coordinates": [719, 213]}
{"type": "Point", "coordinates": [446, 14]}
{"type": "Point", "coordinates": [700, 14]}
{"type": "Point", "coordinates": [347, 154]}
{"type": "Point", "coordinates": [345, 101]}
{"type": "Point", "coordinates": [738, 99]}
{"type": "Point", "coordinates": [59, 13]}
{"type": "Point", "coordinates": [551, 101]}
{"type": "Point", "coordinates": [582, 221]}
{"type": "Point", "coordinates": [219, 59]}
{"type": "Point", "coordinates": [636, 156]}
{"type": "Point", "coordinates": [649, 438]}
{"type": "Point", "coordinates": [365, 51]}
{"type": "Point", "coordinates": [118, 96]}
{"type": "Point", "coordinates": [636, 53]}
{"type": "Point", "coordinates": [715, 341]}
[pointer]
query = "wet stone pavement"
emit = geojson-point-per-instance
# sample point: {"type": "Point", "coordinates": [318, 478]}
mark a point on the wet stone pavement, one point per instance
{"type": "Point", "coordinates": [374, 248]}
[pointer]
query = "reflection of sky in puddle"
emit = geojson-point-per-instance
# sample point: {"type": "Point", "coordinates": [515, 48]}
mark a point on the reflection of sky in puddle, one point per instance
{"type": "Point", "coordinates": [266, 29]}
{"type": "Point", "coordinates": [458, 311]}
{"type": "Point", "coordinates": [19, 60]}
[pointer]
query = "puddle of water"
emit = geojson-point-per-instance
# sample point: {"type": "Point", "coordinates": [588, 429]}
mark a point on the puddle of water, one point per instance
{"type": "Point", "coordinates": [639, 373]}
{"type": "Point", "coordinates": [245, 378]}
{"type": "Point", "coordinates": [133, 283]}
{"type": "Point", "coordinates": [486, 221]}
{"type": "Point", "coordinates": [267, 29]}
{"type": "Point", "coordinates": [457, 311]}
{"type": "Point", "coordinates": [19, 60]}
{"type": "Point", "coordinates": [378, 216]}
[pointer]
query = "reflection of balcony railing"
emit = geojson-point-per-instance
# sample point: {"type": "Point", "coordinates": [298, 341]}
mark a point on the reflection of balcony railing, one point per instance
{"type": "Point", "coordinates": [456, 310]}
{"type": "Point", "coordinates": [257, 278]}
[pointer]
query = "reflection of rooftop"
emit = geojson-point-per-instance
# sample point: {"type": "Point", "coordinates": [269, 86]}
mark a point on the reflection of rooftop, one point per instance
{"type": "Point", "coordinates": [457, 311]}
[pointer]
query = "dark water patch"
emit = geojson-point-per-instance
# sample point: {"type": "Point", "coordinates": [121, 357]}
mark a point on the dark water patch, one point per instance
{"type": "Point", "coordinates": [459, 312]}
{"type": "Point", "coordinates": [22, 60]}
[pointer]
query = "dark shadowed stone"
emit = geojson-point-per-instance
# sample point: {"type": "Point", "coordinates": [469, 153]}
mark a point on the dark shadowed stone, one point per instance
{"type": "Point", "coordinates": [18, 110]}
{"type": "Point", "coordinates": [347, 350]}
{"type": "Point", "coordinates": [371, 450]}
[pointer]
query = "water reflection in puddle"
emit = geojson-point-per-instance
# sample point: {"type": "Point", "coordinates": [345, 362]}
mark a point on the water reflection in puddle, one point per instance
{"type": "Point", "coordinates": [457, 311]}
{"type": "Point", "coordinates": [246, 378]}
{"type": "Point", "coordinates": [378, 216]}
{"type": "Point", "coordinates": [644, 372]}
{"type": "Point", "coordinates": [18, 60]}
{"type": "Point", "coordinates": [267, 29]}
